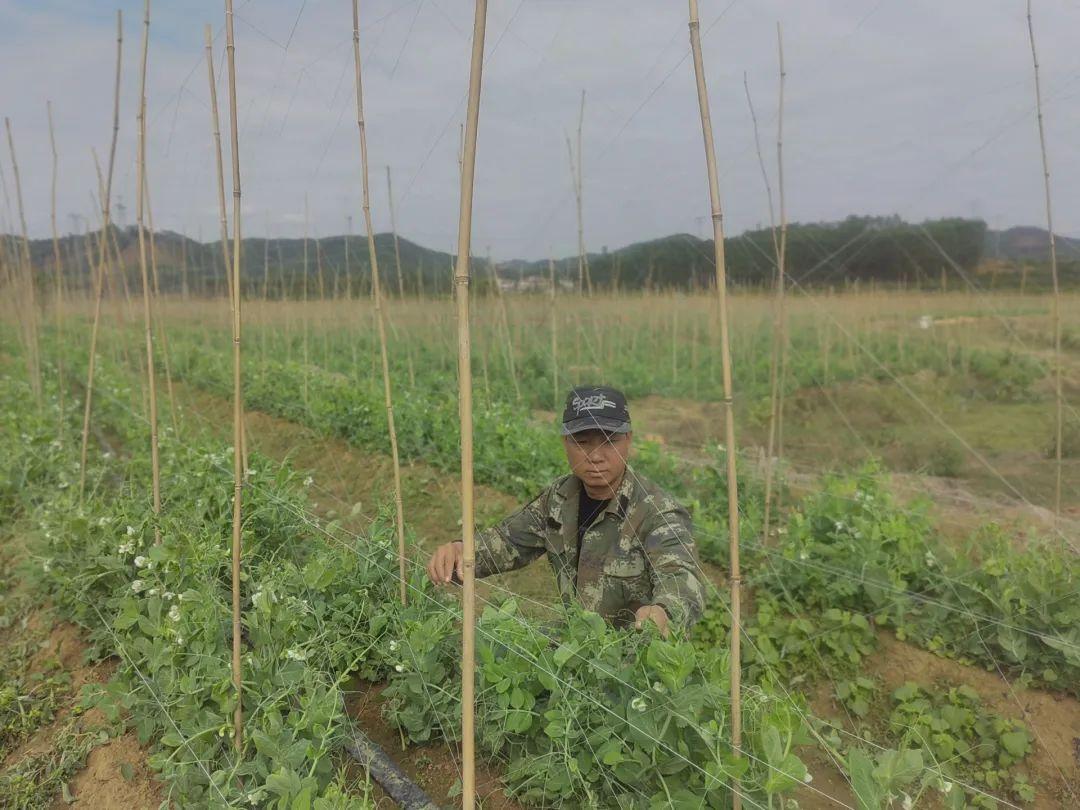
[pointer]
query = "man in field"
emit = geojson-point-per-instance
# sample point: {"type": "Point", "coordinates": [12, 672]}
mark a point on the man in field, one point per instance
{"type": "Point", "coordinates": [617, 543]}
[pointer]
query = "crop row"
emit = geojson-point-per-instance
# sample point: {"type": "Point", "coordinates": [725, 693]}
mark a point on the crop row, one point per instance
{"type": "Point", "coordinates": [634, 726]}
{"type": "Point", "coordinates": [850, 546]}
{"type": "Point", "coordinates": [665, 354]}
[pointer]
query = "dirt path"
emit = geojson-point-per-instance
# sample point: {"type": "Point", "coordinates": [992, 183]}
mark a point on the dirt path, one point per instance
{"type": "Point", "coordinates": [115, 775]}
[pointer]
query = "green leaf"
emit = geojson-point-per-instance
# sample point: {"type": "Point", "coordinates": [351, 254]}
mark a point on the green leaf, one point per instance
{"type": "Point", "coordinates": [1017, 743]}
{"type": "Point", "coordinates": [868, 793]}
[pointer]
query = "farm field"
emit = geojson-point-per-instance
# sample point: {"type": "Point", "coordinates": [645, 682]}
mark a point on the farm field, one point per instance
{"type": "Point", "coordinates": [780, 379]}
{"type": "Point", "coordinates": [911, 626]}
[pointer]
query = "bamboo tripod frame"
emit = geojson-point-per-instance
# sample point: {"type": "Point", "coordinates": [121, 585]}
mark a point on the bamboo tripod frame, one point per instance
{"type": "Point", "coordinates": [735, 577]}
{"type": "Point", "coordinates": [377, 298]}
{"type": "Point", "coordinates": [461, 288]}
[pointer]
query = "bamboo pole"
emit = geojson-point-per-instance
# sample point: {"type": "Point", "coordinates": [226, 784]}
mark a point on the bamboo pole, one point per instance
{"type": "Point", "coordinates": [729, 413]}
{"type": "Point", "coordinates": [33, 356]}
{"type": "Point", "coordinates": [103, 254]}
{"type": "Point", "coordinates": [239, 460]}
{"type": "Point", "coordinates": [554, 340]}
{"type": "Point", "coordinates": [393, 231]}
{"type": "Point", "coordinates": [215, 129]}
{"type": "Point", "coordinates": [504, 322]}
{"type": "Point", "coordinates": [1056, 310]}
{"type": "Point", "coordinates": [584, 276]}
{"type": "Point", "coordinates": [781, 262]}
{"type": "Point", "coordinates": [304, 309]}
{"type": "Point", "coordinates": [778, 354]}
{"type": "Point", "coordinates": [461, 282]}
{"type": "Point", "coordinates": [57, 276]}
{"type": "Point", "coordinates": [157, 307]}
{"type": "Point", "coordinates": [377, 293]}
{"type": "Point", "coordinates": [140, 206]}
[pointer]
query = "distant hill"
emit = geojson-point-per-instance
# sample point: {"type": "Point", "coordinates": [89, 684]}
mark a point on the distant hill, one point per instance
{"type": "Point", "coordinates": [1027, 244]}
{"type": "Point", "coordinates": [886, 250]}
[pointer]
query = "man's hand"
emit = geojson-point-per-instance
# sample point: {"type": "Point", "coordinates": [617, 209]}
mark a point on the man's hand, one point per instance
{"type": "Point", "coordinates": [654, 613]}
{"type": "Point", "coordinates": [445, 562]}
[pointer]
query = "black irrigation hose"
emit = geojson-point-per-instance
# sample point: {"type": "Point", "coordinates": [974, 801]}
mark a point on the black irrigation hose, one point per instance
{"type": "Point", "coordinates": [386, 772]}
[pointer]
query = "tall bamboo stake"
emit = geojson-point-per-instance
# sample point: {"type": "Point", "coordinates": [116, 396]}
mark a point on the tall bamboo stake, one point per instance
{"type": "Point", "coordinates": [729, 412]}
{"type": "Point", "coordinates": [33, 355]}
{"type": "Point", "coordinates": [461, 282]}
{"type": "Point", "coordinates": [57, 281]}
{"type": "Point", "coordinates": [1056, 312]}
{"type": "Point", "coordinates": [239, 461]}
{"type": "Point", "coordinates": [554, 340]}
{"type": "Point", "coordinates": [157, 306]}
{"type": "Point", "coordinates": [393, 231]}
{"type": "Point", "coordinates": [105, 190]}
{"type": "Point", "coordinates": [304, 308]}
{"type": "Point", "coordinates": [504, 322]}
{"type": "Point", "coordinates": [215, 128]}
{"type": "Point", "coordinates": [579, 193]}
{"type": "Point", "coordinates": [140, 206]}
{"type": "Point", "coordinates": [377, 293]}
{"type": "Point", "coordinates": [778, 354]}
{"type": "Point", "coordinates": [781, 262]}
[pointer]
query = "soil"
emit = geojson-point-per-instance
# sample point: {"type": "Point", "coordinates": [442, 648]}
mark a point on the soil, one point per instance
{"type": "Point", "coordinates": [100, 785]}
{"type": "Point", "coordinates": [1053, 719]}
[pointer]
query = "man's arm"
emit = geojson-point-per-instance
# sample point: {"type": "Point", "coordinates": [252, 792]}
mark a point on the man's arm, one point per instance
{"type": "Point", "coordinates": [673, 565]}
{"type": "Point", "coordinates": [515, 542]}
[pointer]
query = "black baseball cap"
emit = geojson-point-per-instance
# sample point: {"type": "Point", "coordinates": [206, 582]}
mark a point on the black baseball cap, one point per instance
{"type": "Point", "coordinates": [595, 407]}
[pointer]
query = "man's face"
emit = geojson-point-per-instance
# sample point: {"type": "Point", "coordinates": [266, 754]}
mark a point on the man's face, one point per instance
{"type": "Point", "coordinates": [598, 458]}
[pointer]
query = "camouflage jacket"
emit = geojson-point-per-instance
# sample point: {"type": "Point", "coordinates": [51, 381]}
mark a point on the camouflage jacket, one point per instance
{"type": "Point", "coordinates": [638, 551]}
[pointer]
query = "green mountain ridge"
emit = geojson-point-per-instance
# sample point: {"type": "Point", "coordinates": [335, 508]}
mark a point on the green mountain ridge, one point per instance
{"type": "Point", "coordinates": [885, 250]}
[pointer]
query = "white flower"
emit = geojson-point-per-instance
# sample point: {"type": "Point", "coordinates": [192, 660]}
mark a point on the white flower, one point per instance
{"type": "Point", "coordinates": [126, 548]}
{"type": "Point", "coordinates": [131, 531]}
{"type": "Point", "coordinates": [930, 560]}
{"type": "Point", "coordinates": [138, 585]}
{"type": "Point", "coordinates": [399, 668]}
{"type": "Point", "coordinates": [808, 778]}
{"type": "Point", "coordinates": [179, 640]}
{"type": "Point", "coordinates": [803, 555]}
{"type": "Point", "coordinates": [174, 613]}
{"type": "Point", "coordinates": [46, 566]}
{"type": "Point", "coordinates": [638, 704]}
{"type": "Point", "coordinates": [168, 595]}
{"type": "Point", "coordinates": [309, 481]}
{"type": "Point", "coordinates": [393, 646]}
{"type": "Point", "coordinates": [141, 561]}
{"type": "Point", "coordinates": [946, 786]}
{"type": "Point", "coordinates": [295, 654]}
{"type": "Point", "coordinates": [908, 803]}
{"type": "Point", "coordinates": [658, 687]}
{"type": "Point", "coordinates": [152, 592]}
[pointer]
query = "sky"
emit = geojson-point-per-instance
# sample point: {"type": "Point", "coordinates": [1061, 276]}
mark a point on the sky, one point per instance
{"type": "Point", "coordinates": [913, 107]}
